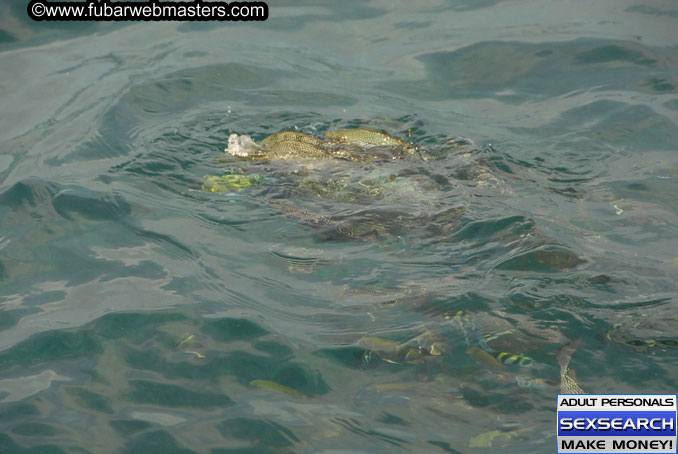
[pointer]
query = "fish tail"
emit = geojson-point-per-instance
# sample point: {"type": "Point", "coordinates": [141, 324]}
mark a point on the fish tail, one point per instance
{"type": "Point", "coordinates": [565, 353]}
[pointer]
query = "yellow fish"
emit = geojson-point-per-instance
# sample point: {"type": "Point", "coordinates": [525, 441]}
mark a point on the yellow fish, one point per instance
{"type": "Point", "coordinates": [267, 384]}
{"type": "Point", "coordinates": [510, 358]}
{"type": "Point", "coordinates": [485, 359]}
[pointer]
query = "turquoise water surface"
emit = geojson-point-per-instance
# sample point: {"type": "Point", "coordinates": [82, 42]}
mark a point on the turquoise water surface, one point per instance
{"type": "Point", "coordinates": [409, 305]}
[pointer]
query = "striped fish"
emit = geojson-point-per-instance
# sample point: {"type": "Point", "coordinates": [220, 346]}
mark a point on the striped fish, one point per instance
{"type": "Point", "coordinates": [511, 358]}
{"type": "Point", "coordinates": [568, 378]}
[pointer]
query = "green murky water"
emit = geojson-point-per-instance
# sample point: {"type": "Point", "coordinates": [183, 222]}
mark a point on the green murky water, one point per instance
{"type": "Point", "coordinates": [334, 307]}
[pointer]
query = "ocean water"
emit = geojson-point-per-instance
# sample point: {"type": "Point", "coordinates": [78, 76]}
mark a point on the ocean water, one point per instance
{"type": "Point", "coordinates": [336, 307]}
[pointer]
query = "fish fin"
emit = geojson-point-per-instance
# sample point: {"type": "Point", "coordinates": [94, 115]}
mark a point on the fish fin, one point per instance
{"type": "Point", "coordinates": [565, 353]}
{"type": "Point", "coordinates": [572, 373]}
{"type": "Point", "coordinates": [390, 361]}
